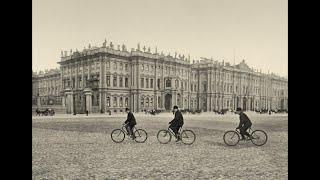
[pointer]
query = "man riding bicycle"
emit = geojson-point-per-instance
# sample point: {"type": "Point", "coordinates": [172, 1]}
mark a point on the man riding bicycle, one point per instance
{"type": "Point", "coordinates": [177, 122]}
{"type": "Point", "coordinates": [130, 123]}
{"type": "Point", "coordinates": [244, 124]}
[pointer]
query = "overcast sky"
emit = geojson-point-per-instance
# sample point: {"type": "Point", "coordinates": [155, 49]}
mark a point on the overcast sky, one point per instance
{"type": "Point", "coordinates": [256, 30]}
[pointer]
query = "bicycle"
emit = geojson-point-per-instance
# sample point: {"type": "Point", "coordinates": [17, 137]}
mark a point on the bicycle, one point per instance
{"type": "Point", "coordinates": [187, 136]}
{"type": "Point", "coordinates": [118, 135]}
{"type": "Point", "coordinates": [258, 137]}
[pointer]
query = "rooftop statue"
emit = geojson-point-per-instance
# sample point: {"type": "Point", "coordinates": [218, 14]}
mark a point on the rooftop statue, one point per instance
{"type": "Point", "coordinates": [118, 47]}
{"type": "Point", "coordinates": [144, 48]}
{"type": "Point", "coordinates": [149, 49]}
{"type": "Point", "coordinates": [104, 43]}
{"type": "Point", "coordinates": [156, 50]}
{"type": "Point", "coordinates": [124, 47]}
{"type": "Point", "coordinates": [175, 55]}
{"type": "Point", "coordinates": [111, 45]}
{"type": "Point", "coordinates": [138, 47]}
{"type": "Point", "coordinates": [89, 47]}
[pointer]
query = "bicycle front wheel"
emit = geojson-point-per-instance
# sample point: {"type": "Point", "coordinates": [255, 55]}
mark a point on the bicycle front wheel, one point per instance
{"type": "Point", "coordinates": [117, 135]}
{"type": "Point", "coordinates": [259, 137]}
{"type": "Point", "coordinates": [231, 138]}
{"type": "Point", "coordinates": [140, 135]}
{"type": "Point", "coordinates": [187, 137]}
{"type": "Point", "coordinates": [164, 136]}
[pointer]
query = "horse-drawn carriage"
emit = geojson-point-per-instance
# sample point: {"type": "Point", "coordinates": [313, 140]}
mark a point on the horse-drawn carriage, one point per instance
{"type": "Point", "coordinates": [45, 112]}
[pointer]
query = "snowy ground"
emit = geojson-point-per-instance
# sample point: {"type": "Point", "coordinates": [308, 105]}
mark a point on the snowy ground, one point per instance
{"type": "Point", "coordinates": [80, 147]}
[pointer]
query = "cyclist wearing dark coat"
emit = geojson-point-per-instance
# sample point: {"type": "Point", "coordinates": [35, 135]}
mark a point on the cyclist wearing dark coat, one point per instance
{"type": "Point", "coordinates": [177, 122]}
{"type": "Point", "coordinates": [244, 124]}
{"type": "Point", "coordinates": [130, 122]}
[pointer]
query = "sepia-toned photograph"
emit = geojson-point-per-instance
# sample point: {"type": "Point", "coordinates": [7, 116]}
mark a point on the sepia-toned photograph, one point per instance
{"type": "Point", "coordinates": [159, 89]}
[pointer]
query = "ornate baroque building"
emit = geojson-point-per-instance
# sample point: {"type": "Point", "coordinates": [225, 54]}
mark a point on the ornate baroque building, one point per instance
{"type": "Point", "coordinates": [102, 79]}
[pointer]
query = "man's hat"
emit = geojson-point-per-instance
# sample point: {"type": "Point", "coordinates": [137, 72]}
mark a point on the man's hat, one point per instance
{"type": "Point", "coordinates": [175, 107]}
{"type": "Point", "coordinates": [239, 109]}
{"type": "Point", "coordinates": [127, 109]}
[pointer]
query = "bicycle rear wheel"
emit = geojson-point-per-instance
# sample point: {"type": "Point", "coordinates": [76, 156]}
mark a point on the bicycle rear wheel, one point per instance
{"type": "Point", "coordinates": [187, 137]}
{"type": "Point", "coordinates": [231, 138]}
{"type": "Point", "coordinates": [259, 137]}
{"type": "Point", "coordinates": [117, 135]}
{"type": "Point", "coordinates": [164, 136]}
{"type": "Point", "coordinates": [140, 135]}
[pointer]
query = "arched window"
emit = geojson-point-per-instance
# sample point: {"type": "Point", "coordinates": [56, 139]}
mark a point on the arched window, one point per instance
{"type": "Point", "coordinates": [151, 102]}
{"type": "Point", "coordinates": [147, 102]}
{"type": "Point", "coordinates": [108, 101]}
{"type": "Point", "coordinates": [121, 102]}
{"type": "Point", "coordinates": [114, 101]}
{"type": "Point", "coordinates": [126, 102]}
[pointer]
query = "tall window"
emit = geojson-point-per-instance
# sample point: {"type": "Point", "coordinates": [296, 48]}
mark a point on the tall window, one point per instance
{"type": "Point", "coordinates": [115, 80]}
{"type": "Point", "coordinates": [147, 102]}
{"type": "Point", "coordinates": [147, 67]}
{"type": "Point", "coordinates": [98, 99]}
{"type": "Point", "coordinates": [159, 102]}
{"type": "Point", "coordinates": [114, 101]}
{"type": "Point", "coordinates": [181, 85]}
{"type": "Point", "coordinates": [142, 102]}
{"type": "Point", "coordinates": [108, 65]}
{"type": "Point", "coordinates": [126, 102]}
{"type": "Point", "coordinates": [108, 81]}
{"type": "Point", "coordinates": [126, 82]}
{"type": "Point", "coordinates": [115, 65]}
{"type": "Point", "coordinates": [120, 82]}
{"type": "Point", "coordinates": [142, 82]}
{"type": "Point", "coordinates": [120, 102]}
{"type": "Point", "coordinates": [108, 101]}
{"type": "Point", "coordinates": [168, 83]}
{"type": "Point", "coordinates": [151, 83]}
{"type": "Point", "coordinates": [121, 66]}
{"type": "Point", "coordinates": [126, 67]}
{"type": "Point", "coordinates": [185, 85]}
{"type": "Point", "coordinates": [147, 83]}
{"type": "Point", "coordinates": [158, 83]}
{"type": "Point", "coordinates": [177, 83]}
{"type": "Point", "coordinates": [142, 67]}
{"type": "Point", "coordinates": [151, 102]}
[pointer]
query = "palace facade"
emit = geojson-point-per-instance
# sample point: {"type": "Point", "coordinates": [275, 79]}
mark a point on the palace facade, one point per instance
{"type": "Point", "coordinates": [103, 79]}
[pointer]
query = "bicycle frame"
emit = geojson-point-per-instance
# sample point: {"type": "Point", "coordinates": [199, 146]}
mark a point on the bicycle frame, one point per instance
{"type": "Point", "coordinates": [249, 130]}
{"type": "Point", "coordinates": [124, 129]}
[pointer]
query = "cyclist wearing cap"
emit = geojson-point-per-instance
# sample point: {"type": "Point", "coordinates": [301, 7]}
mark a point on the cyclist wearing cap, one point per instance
{"type": "Point", "coordinates": [130, 122]}
{"type": "Point", "coordinates": [177, 122]}
{"type": "Point", "coordinates": [244, 124]}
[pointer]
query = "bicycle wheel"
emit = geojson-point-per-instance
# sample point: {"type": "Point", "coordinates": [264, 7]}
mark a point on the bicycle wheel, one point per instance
{"type": "Point", "coordinates": [164, 136]}
{"type": "Point", "coordinates": [140, 135]}
{"type": "Point", "coordinates": [117, 135]}
{"type": "Point", "coordinates": [187, 137]}
{"type": "Point", "coordinates": [231, 138]}
{"type": "Point", "coordinates": [259, 137]}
